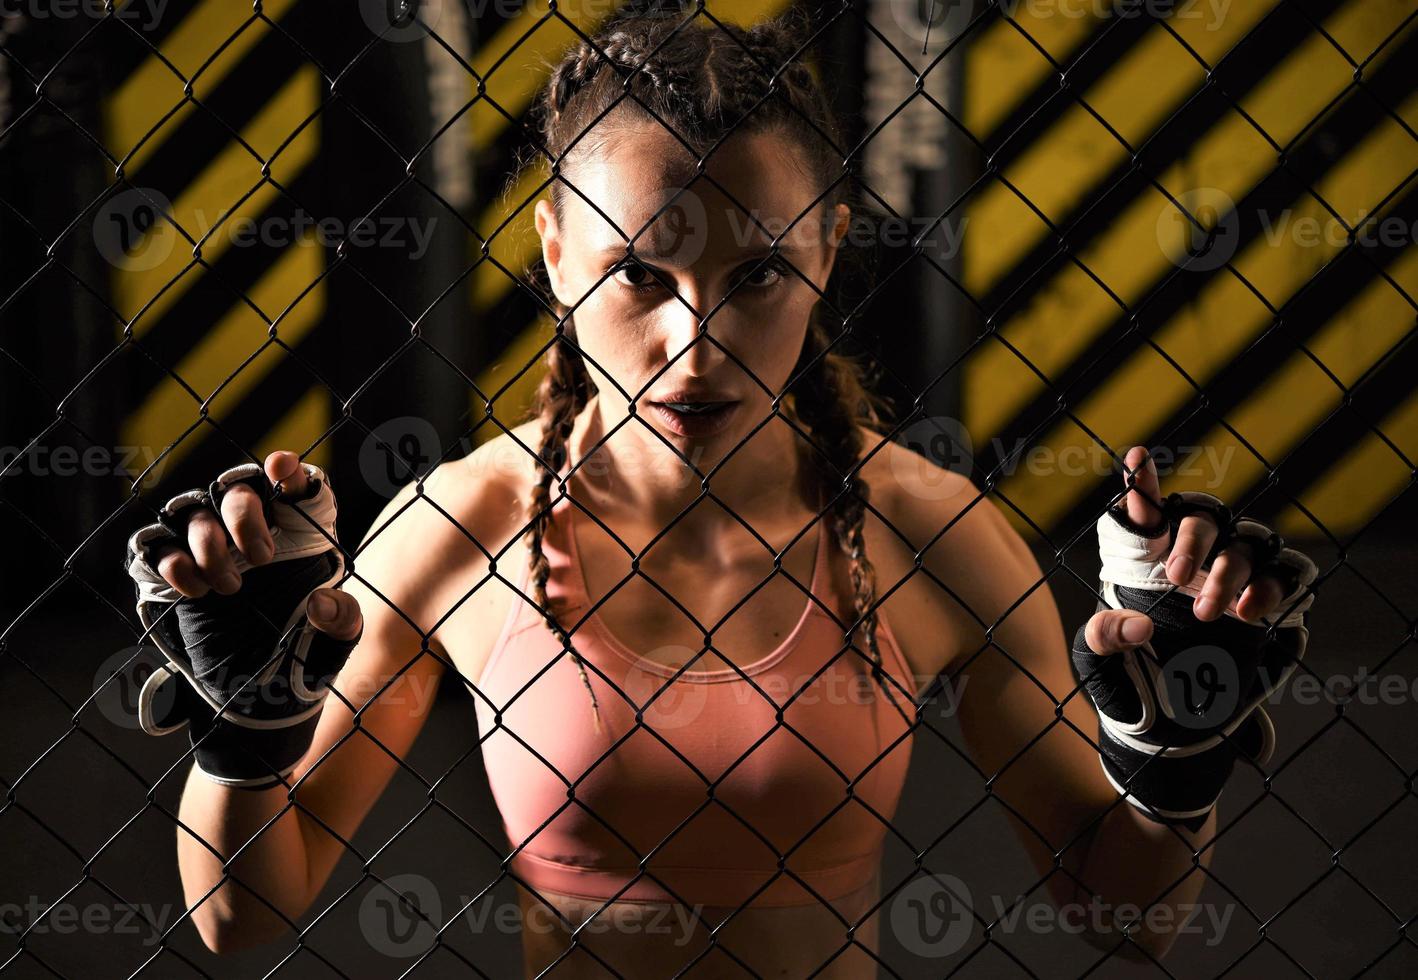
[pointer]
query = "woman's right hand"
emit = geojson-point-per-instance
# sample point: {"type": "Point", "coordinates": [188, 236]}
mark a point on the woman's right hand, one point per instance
{"type": "Point", "coordinates": [207, 563]}
{"type": "Point", "coordinates": [237, 586]}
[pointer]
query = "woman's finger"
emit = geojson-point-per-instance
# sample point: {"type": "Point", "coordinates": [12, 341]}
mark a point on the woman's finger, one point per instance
{"type": "Point", "coordinates": [1115, 630]}
{"type": "Point", "coordinates": [1140, 473]}
{"type": "Point", "coordinates": [207, 541]}
{"type": "Point", "coordinates": [283, 467]}
{"type": "Point", "coordinates": [180, 571]}
{"type": "Point", "coordinates": [1196, 535]}
{"type": "Point", "coordinates": [335, 613]}
{"type": "Point", "coordinates": [1227, 576]}
{"type": "Point", "coordinates": [243, 515]}
{"type": "Point", "coordinates": [1260, 599]}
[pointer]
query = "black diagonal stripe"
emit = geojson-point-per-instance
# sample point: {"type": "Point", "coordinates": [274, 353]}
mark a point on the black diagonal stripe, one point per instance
{"type": "Point", "coordinates": [1109, 41]}
{"type": "Point", "coordinates": [214, 293]}
{"type": "Point", "coordinates": [1388, 387]}
{"type": "Point", "coordinates": [189, 147]}
{"type": "Point", "coordinates": [125, 50]}
{"type": "Point", "coordinates": [1309, 161]}
{"type": "Point", "coordinates": [1256, 56]}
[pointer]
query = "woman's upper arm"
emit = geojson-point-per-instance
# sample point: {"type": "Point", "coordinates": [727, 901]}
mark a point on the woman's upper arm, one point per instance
{"type": "Point", "coordinates": [1014, 676]}
{"type": "Point", "coordinates": [389, 681]}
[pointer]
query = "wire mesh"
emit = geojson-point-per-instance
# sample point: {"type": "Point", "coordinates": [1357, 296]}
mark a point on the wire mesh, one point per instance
{"type": "Point", "coordinates": [927, 915]}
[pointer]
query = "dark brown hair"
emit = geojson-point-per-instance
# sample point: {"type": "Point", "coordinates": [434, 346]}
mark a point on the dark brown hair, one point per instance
{"type": "Point", "coordinates": [706, 81]}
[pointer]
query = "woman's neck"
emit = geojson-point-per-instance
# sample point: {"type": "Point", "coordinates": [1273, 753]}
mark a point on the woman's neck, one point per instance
{"type": "Point", "coordinates": [633, 478]}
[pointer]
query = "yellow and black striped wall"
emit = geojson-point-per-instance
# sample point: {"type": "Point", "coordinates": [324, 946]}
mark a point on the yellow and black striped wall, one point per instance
{"type": "Point", "coordinates": [1190, 228]}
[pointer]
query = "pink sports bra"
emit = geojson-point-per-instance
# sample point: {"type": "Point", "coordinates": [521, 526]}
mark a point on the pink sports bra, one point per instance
{"type": "Point", "coordinates": [810, 796]}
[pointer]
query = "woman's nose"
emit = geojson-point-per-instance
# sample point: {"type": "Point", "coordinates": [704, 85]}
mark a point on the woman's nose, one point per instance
{"type": "Point", "coordinates": [682, 330]}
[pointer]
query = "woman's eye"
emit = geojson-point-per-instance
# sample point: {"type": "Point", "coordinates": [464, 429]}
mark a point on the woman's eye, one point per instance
{"type": "Point", "coordinates": [763, 275]}
{"type": "Point", "coordinates": [636, 276]}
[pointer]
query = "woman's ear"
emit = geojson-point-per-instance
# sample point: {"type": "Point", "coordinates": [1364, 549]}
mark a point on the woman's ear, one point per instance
{"type": "Point", "coordinates": [836, 229]}
{"type": "Point", "coordinates": [544, 217]}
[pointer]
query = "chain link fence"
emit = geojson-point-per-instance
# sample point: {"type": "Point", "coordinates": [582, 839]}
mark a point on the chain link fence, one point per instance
{"type": "Point", "coordinates": [1077, 227]}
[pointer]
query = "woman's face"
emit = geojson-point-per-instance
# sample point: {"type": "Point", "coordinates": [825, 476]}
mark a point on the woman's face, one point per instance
{"type": "Point", "coordinates": [639, 313]}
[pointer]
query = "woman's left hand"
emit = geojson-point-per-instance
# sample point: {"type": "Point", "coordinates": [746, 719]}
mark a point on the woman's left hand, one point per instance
{"type": "Point", "coordinates": [1113, 630]}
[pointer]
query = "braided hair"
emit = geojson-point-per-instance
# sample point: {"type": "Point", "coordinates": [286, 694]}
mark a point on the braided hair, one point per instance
{"type": "Point", "coordinates": [703, 81]}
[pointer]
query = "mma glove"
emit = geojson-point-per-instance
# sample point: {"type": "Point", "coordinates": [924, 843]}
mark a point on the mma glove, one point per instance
{"type": "Point", "coordinates": [1175, 713]}
{"type": "Point", "coordinates": [246, 674]}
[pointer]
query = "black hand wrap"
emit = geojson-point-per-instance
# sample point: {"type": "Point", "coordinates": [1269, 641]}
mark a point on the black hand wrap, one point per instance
{"type": "Point", "coordinates": [246, 673]}
{"type": "Point", "coordinates": [1176, 713]}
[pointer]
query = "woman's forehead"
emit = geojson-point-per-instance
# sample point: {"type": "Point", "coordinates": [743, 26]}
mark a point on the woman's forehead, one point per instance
{"type": "Point", "coordinates": [753, 188]}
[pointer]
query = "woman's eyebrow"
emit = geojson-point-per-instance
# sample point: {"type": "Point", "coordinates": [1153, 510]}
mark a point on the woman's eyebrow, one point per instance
{"type": "Point", "coordinates": [618, 250]}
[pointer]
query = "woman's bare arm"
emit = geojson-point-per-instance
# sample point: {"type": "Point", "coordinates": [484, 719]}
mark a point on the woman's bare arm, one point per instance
{"type": "Point", "coordinates": [252, 861]}
{"type": "Point", "coordinates": [1020, 683]}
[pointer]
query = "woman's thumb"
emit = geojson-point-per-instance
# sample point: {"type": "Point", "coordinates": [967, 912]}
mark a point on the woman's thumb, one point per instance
{"type": "Point", "coordinates": [334, 613]}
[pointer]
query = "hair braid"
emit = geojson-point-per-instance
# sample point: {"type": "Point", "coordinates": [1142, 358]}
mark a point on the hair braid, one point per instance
{"type": "Point", "coordinates": [562, 393]}
{"type": "Point", "coordinates": [830, 397]}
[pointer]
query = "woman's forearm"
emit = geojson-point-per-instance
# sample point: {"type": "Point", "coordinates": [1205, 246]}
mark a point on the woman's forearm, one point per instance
{"type": "Point", "coordinates": [1133, 867]}
{"type": "Point", "coordinates": [271, 864]}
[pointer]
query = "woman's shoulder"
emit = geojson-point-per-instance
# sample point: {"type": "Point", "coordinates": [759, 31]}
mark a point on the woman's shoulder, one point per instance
{"type": "Point", "coordinates": [444, 528]}
{"type": "Point", "coordinates": [922, 491]}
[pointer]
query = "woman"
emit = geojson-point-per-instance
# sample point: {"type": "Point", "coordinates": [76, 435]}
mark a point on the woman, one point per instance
{"type": "Point", "coordinates": [723, 724]}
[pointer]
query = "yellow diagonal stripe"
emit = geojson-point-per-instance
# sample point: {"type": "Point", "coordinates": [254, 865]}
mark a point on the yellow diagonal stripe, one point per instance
{"type": "Point", "coordinates": [516, 401]}
{"type": "Point", "coordinates": [300, 427]}
{"type": "Point", "coordinates": [1363, 482]}
{"type": "Point", "coordinates": [514, 82]}
{"type": "Point", "coordinates": [1205, 336]}
{"type": "Point", "coordinates": [168, 410]}
{"type": "Point", "coordinates": [1002, 67]}
{"type": "Point", "coordinates": [207, 202]}
{"type": "Point", "coordinates": [152, 90]}
{"type": "Point", "coordinates": [1300, 396]}
{"type": "Point", "coordinates": [1066, 162]}
{"type": "Point", "coordinates": [1070, 312]}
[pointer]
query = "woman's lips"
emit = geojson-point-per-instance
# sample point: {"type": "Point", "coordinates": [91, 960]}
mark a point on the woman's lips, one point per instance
{"type": "Point", "coordinates": [698, 425]}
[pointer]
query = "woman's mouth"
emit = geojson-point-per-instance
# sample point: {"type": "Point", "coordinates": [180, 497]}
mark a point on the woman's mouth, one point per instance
{"type": "Point", "coordinates": [695, 419]}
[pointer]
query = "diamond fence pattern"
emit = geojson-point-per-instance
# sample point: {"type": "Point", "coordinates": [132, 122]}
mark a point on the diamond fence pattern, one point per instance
{"type": "Point", "coordinates": [1205, 233]}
